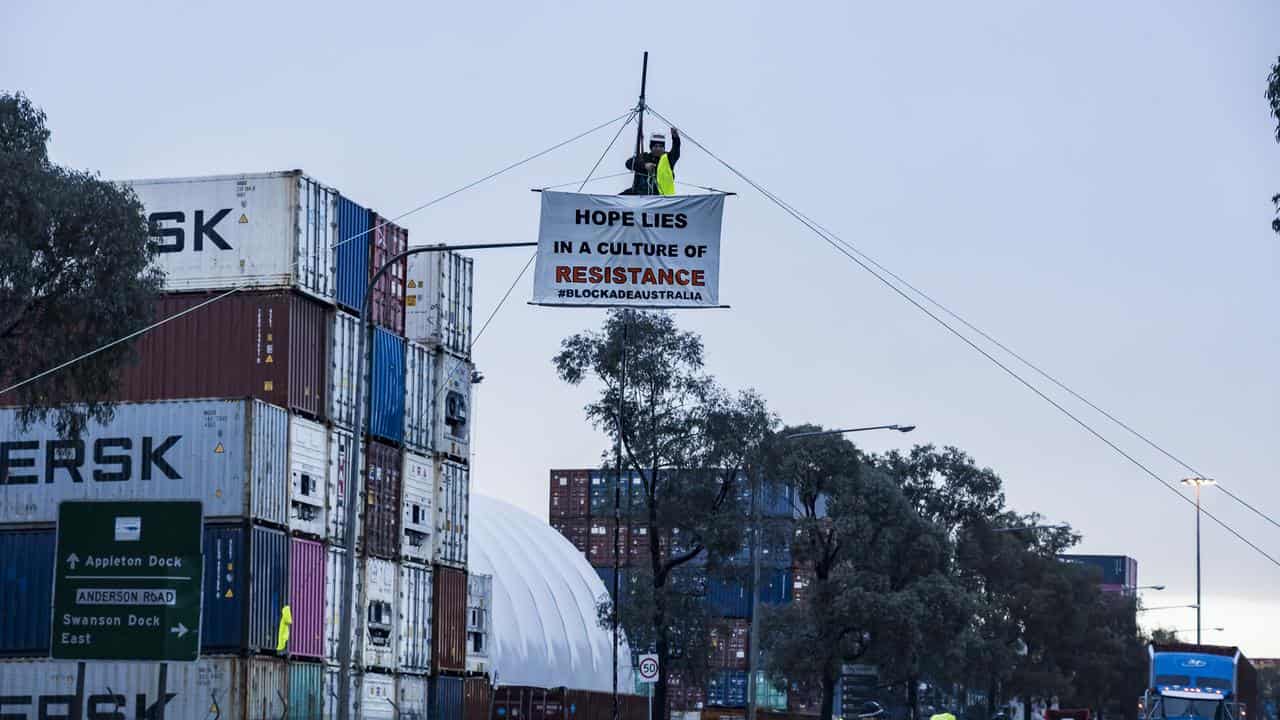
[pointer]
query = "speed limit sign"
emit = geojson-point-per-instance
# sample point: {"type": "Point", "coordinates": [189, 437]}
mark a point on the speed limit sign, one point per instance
{"type": "Point", "coordinates": [648, 668]}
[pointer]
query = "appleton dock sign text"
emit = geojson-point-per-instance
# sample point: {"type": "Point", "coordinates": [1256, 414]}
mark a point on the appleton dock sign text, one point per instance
{"type": "Point", "coordinates": [629, 250]}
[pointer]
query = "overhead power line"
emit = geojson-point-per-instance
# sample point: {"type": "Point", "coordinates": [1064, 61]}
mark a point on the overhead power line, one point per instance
{"type": "Point", "coordinates": [802, 219]}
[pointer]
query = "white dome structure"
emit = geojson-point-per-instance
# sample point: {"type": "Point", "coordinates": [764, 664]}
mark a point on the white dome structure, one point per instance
{"type": "Point", "coordinates": [544, 630]}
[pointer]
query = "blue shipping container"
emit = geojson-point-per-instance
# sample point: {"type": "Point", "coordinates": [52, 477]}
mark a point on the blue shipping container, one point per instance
{"type": "Point", "coordinates": [244, 588]}
{"type": "Point", "coordinates": [306, 691]}
{"type": "Point", "coordinates": [727, 688]}
{"type": "Point", "coordinates": [26, 590]}
{"type": "Point", "coordinates": [386, 407]}
{"type": "Point", "coordinates": [729, 598]}
{"type": "Point", "coordinates": [446, 698]}
{"type": "Point", "coordinates": [775, 586]}
{"type": "Point", "coordinates": [352, 253]}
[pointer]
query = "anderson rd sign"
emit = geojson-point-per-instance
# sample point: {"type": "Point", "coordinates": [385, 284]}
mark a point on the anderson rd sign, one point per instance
{"type": "Point", "coordinates": [127, 581]}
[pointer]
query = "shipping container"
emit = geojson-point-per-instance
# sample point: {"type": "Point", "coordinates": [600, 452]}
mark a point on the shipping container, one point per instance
{"type": "Point", "coordinates": [383, 485]}
{"type": "Point", "coordinates": [377, 697]}
{"type": "Point", "coordinates": [775, 586]}
{"type": "Point", "coordinates": [1115, 570]}
{"type": "Point", "coordinates": [449, 620]}
{"type": "Point", "coordinates": [716, 713]}
{"type": "Point", "coordinates": [602, 544]}
{"type": "Point", "coordinates": [308, 482]}
{"type": "Point", "coordinates": [412, 697]}
{"type": "Point", "coordinates": [334, 568]}
{"type": "Point", "coordinates": [228, 454]}
{"type": "Point", "coordinates": [344, 335]}
{"type": "Point", "coordinates": [377, 614]}
{"type": "Point", "coordinates": [684, 694]}
{"type": "Point", "coordinates": [414, 612]}
{"type": "Point", "coordinates": [306, 691]}
{"type": "Point", "coordinates": [576, 531]}
{"type": "Point", "coordinates": [639, 551]}
{"type": "Point", "coordinates": [729, 598]}
{"type": "Point", "coordinates": [307, 561]}
{"type": "Point", "coordinates": [352, 254]}
{"type": "Point", "coordinates": [387, 394]}
{"type": "Point", "coordinates": [26, 590]}
{"type": "Point", "coordinates": [727, 688]}
{"type": "Point", "coordinates": [245, 584]}
{"type": "Point", "coordinates": [336, 515]}
{"type": "Point", "coordinates": [602, 484]}
{"type": "Point", "coordinates": [729, 644]}
{"type": "Point", "coordinates": [418, 509]}
{"type": "Point", "coordinates": [453, 405]}
{"type": "Point", "coordinates": [265, 229]}
{"type": "Point", "coordinates": [266, 345]}
{"type": "Point", "coordinates": [419, 397]}
{"type": "Point", "coordinates": [479, 616]}
{"type": "Point", "coordinates": [438, 301]}
{"type": "Point", "coordinates": [477, 696]}
{"type": "Point", "coordinates": [570, 494]}
{"type": "Point", "coordinates": [387, 305]}
{"type": "Point", "coordinates": [331, 693]}
{"type": "Point", "coordinates": [446, 698]}
{"type": "Point", "coordinates": [453, 507]}
{"type": "Point", "coordinates": [230, 688]}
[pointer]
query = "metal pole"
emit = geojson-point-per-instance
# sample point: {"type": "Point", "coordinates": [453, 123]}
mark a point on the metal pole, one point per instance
{"type": "Point", "coordinates": [755, 595]}
{"type": "Point", "coordinates": [644, 78]}
{"type": "Point", "coordinates": [617, 506]}
{"type": "Point", "coordinates": [1197, 563]}
{"type": "Point", "coordinates": [354, 493]}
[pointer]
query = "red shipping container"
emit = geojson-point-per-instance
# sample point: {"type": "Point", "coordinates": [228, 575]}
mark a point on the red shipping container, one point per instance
{"type": "Point", "coordinates": [684, 695]}
{"type": "Point", "coordinates": [476, 697]}
{"type": "Point", "coordinates": [570, 494]}
{"type": "Point", "coordinates": [575, 531]}
{"type": "Point", "coordinates": [268, 345]}
{"type": "Point", "coordinates": [638, 545]}
{"type": "Point", "coordinates": [387, 304]}
{"type": "Point", "coordinates": [449, 620]}
{"type": "Point", "coordinates": [600, 542]}
{"type": "Point", "coordinates": [729, 644]}
{"type": "Point", "coordinates": [382, 500]}
{"type": "Point", "coordinates": [306, 598]}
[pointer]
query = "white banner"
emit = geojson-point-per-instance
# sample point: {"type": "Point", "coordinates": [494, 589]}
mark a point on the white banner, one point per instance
{"type": "Point", "coordinates": [655, 251]}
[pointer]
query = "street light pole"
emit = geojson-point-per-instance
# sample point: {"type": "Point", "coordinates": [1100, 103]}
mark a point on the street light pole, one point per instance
{"type": "Point", "coordinates": [756, 482]}
{"type": "Point", "coordinates": [1196, 482]}
{"type": "Point", "coordinates": [354, 493]}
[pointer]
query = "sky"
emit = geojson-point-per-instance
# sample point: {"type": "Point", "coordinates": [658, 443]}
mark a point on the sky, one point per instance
{"type": "Point", "coordinates": [1088, 182]}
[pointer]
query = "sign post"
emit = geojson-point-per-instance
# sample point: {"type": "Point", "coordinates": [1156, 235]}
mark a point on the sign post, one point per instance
{"type": "Point", "coordinates": [127, 581]}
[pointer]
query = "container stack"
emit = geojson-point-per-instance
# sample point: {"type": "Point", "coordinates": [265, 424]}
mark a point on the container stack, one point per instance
{"type": "Point", "coordinates": [246, 402]}
{"type": "Point", "coordinates": [581, 508]}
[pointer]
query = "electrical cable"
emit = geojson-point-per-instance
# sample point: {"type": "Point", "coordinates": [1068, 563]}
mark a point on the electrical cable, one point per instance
{"type": "Point", "coordinates": [117, 341]}
{"type": "Point", "coordinates": [813, 228]}
{"type": "Point", "coordinates": [490, 176]}
{"type": "Point", "coordinates": [608, 148]}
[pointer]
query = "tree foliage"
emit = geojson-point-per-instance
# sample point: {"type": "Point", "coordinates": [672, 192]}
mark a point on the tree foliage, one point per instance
{"type": "Point", "coordinates": [75, 273]}
{"type": "Point", "coordinates": [1273, 98]}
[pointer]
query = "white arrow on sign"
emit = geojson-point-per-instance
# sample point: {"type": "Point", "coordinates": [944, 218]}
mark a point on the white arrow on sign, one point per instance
{"type": "Point", "coordinates": [180, 630]}
{"type": "Point", "coordinates": [72, 559]}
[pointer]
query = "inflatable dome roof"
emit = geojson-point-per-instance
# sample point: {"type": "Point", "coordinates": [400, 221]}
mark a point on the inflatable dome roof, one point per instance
{"type": "Point", "coordinates": [544, 630]}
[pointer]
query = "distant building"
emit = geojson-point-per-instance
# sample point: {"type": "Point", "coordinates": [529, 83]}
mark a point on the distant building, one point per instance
{"type": "Point", "coordinates": [1119, 572]}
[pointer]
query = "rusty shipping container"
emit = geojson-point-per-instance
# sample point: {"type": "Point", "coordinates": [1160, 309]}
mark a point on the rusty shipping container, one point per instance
{"type": "Point", "coordinates": [383, 481]}
{"type": "Point", "coordinates": [476, 697]}
{"type": "Point", "coordinates": [638, 551]}
{"type": "Point", "coordinates": [600, 540]}
{"type": "Point", "coordinates": [266, 345]}
{"type": "Point", "coordinates": [570, 494]}
{"type": "Point", "coordinates": [576, 532]}
{"type": "Point", "coordinates": [449, 620]}
{"type": "Point", "coordinates": [729, 645]}
{"type": "Point", "coordinates": [387, 304]}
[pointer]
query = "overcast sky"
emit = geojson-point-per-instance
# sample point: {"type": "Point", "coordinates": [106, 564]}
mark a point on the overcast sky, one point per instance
{"type": "Point", "coordinates": [1089, 182]}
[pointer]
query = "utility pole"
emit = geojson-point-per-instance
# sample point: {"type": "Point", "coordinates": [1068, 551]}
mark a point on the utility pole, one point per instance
{"type": "Point", "coordinates": [754, 633]}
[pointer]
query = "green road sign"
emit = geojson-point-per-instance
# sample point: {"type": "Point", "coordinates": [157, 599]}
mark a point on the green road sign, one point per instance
{"type": "Point", "coordinates": [127, 581]}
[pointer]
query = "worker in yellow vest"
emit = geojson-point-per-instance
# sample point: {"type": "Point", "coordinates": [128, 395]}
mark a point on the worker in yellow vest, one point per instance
{"type": "Point", "coordinates": [655, 170]}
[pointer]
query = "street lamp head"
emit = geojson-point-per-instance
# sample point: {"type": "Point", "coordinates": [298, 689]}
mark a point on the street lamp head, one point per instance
{"type": "Point", "coordinates": [1157, 587]}
{"type": "Point", "coordinates": [1197, 481]}
{"type": "Point", "coordinates": [905, 428]}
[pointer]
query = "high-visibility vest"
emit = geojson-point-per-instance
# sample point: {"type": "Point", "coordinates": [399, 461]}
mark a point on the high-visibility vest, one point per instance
{"type": "Point", "coordinates": [666, 177]}
{"type": "Point", "coordinates": [282, 634]}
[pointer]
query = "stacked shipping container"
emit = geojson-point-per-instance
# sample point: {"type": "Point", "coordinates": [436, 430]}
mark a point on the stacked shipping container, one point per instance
{"type": "Point", "coordinates": [270, 461]}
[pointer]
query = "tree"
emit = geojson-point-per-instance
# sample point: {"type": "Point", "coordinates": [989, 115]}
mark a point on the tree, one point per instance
{"type": "Point", "coordinates": [75, 273]}
{"type": "Point", "coordinates": [877, 584]}
{"type": "Point", "coordinates": [1273, 97]}
{"type": "Point", "coordinates": [691, 444]}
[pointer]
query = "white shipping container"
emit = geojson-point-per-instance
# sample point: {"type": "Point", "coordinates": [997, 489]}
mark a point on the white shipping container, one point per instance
{"type": "Point", "coordinates": [418, 521]}
{"type": "Point", "coordinates": [344, 335]}
{"type": "Point", "coordinates": [414, 611]}
{"type": "Point", "coordinates": [378, 620]}
{"type": "Point", "coordinates": [453, 506]}
{"type": "Point", "coordinates": [266, 229]}
{"type": "Point", "coordinates": [419, 397]}
{"type": "Point", "coordinates": [308, 476]}
{"type": "Point", "coordinates": [438, 301]}
{"type": "Point", "coordinates": [331, 694]}
{"type": "Point", "coordinates": [336, 489]}
{"type": "Point", "coordinates": [453, 405]}
{"type": "Point", "coordinates": [377, 695]}
{"type": "Point", "coordinates": [335, 566]}
{"type": "Point", "coordinates": [226, 687]}
{"type": "Point", "coordinates": [411, 696]}
{"type": "Point", "coordinates": [479, 621]}
{"type": "Point", "coordinates": [229, 454]}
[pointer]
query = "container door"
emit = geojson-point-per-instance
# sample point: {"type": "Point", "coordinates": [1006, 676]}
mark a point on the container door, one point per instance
{"type": "Point", "coordinates": [308, 476]}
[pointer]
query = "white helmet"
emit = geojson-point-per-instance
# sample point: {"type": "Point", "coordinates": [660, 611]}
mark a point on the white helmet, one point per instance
{"type": "Point", "coordinates": [658, 138]}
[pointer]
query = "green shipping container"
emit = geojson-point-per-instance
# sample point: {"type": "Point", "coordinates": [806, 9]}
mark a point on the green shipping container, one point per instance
{"type": "Point", "coordinates": [771, 694]}
{"type": "Point", "coordinates": [306, 691]}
